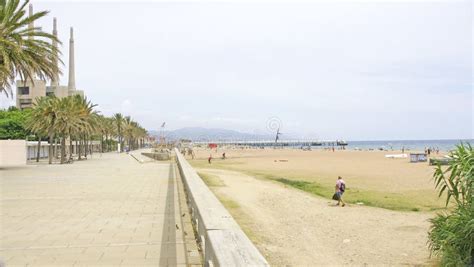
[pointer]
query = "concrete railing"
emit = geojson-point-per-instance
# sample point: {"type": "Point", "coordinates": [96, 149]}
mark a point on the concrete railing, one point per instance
{"type": "Point", "coordinates": [222, 240]}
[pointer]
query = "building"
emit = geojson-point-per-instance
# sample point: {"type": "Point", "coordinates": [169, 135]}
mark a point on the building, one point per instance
{"type": "Point", "coordinates": [27, 91]}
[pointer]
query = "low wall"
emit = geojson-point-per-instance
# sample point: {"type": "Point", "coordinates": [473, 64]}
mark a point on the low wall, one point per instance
{"type": "Point", "coordinates": [12, 153]}
{"type": "Point", "coordinates": [157, 155]}
{"type": "Point", "coordinates": [222, 240]}
{"type": "Point", "coordinates": [32, 148]}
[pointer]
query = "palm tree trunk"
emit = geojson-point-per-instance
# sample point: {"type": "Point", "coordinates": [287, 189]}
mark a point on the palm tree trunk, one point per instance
{"type": "Point", "coordinates": [56, 148]}
{"type": "Point", "coordinates": [50, 152]}
{"type": "Point", "coordinates": [78, 148]}
{"type": "Point", "coordinates": [120, 141]}
{"type": "Point", "coordinates": [70, 147]}
{"type": "Point", "coordinates": [39, 147]}
{"type": "Point", "coordinates": [63, 148]}
{"type": "Point", "coordinates": [85, 146]}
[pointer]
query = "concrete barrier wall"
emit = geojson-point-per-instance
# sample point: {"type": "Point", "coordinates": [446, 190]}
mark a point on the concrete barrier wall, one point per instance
{"type": "Point", "coordinates": [32, 148]}
{"type": "Point", "coordinates": [12, 153]}
{"type": "Point", "coordinates": [222, 240]}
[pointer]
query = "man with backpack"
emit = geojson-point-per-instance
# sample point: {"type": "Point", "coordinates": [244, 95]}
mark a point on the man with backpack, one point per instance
{"type": "Point", "coordinates": [340, 188]}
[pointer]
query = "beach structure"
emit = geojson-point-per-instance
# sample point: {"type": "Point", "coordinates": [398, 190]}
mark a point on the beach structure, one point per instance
{"type": "Point", "coordinates": [269, 143]}
{"type": "Point", "coordinates": [418, 157]}
{"type": "Point", "coordinates": [29, 89]}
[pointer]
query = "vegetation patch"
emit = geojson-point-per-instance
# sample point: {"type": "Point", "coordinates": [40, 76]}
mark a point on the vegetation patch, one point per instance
{"type": "Point", "coordinates": [211, 180]}
{"type": "Point", "coordinates": [243, 219]}
{"type": "Point", "coordinates": [413, 201]}
{"type": "Point", "coordinates": [392, 201]}
{"type": "Point", "coordinates": [452, 233]}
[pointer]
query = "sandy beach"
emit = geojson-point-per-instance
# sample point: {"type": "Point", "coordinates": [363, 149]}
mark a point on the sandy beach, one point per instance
{"type": "Point", "coordinates": [370, 177]}
{"type": "Point", "coordinates": [294, 227]}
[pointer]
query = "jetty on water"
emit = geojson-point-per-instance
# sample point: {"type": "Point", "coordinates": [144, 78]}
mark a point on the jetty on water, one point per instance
{"type": "Point", "coordinates": [270, 143]}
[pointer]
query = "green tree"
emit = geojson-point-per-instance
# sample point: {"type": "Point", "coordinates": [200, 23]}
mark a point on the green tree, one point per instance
{"type": "Point", "coordinates": [12, 124]}
{"type": "Point", "coordinates": [69, 117]}
{"type": "Point", "coordinates": [452, 233]}
{"type": "Point", "coordinates": [43, 120]}
{"type": "Point", "coordinates": [24, 51]}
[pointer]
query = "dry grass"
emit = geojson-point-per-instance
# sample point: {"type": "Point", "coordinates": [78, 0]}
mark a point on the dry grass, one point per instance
{"type": "Point", "coordinates": [232, 206]}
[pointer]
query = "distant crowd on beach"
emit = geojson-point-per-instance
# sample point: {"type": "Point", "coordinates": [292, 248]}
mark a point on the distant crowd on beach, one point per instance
{"type": "Point", "coordinates": [429, 150]}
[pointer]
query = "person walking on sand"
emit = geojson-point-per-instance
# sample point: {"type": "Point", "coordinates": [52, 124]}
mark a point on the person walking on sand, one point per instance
{"type": "Point", "coordinates": [209, 159]}
{"type": "Point", "coordinates": [340, 188]}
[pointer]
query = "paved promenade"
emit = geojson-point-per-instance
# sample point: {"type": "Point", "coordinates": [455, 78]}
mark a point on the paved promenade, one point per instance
{"type": "Point", "coordinates": [108, 210]}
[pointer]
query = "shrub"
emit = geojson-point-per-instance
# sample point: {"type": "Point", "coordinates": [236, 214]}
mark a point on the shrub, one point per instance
{"type": "Point", "coordinates": [452, 233]}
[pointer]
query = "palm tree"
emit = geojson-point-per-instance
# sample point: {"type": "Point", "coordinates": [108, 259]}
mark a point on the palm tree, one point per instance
{"type": "Point", "coordinates": [24, 51]}
{"type": "Point", "coordinates": [133, 133]}
{"type": "Point", "coordinates": [104, 130]}
{"type": "Point", "coordinates": [108, 131]}
{"type": "Point", "coordinates": [43, 120]}
{"type": "Point", "coordinates": [87, 121]}
{"type": "Point", "coordinates": [70, 117]}
{"type": "Point", "coordinates": [66, 120]}
{"type": "Point", "coordinates": [118, 118]}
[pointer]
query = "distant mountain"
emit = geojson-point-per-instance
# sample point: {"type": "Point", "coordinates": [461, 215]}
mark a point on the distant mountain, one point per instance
{"type": "Point", "coordinates": [210, 134]}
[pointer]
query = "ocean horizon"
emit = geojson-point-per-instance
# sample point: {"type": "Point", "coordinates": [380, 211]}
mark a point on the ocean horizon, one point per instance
{"type": "Point", "coordinates": [441, 144]}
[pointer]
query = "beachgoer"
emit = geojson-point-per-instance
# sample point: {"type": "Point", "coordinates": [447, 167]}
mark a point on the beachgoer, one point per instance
{"type": "Point", "coordinates": [223, 155]}
{"type": "Point", "coordinates": [340, 189]}
{"type": "Point", "coordinates": [209, 159]}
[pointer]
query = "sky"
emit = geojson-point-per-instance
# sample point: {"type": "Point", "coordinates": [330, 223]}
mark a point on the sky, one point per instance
{"type": "Point", "coordinates": [352, 70]}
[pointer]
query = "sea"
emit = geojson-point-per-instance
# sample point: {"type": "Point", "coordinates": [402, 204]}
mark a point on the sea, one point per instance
{"type": "Point", "coordinates": [409, 145]}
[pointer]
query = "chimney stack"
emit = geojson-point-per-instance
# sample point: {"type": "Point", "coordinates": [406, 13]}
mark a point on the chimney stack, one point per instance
{"type": "Point", "coordinates": [31, 25]}
{"type": "Point", "coordinates": [72, 79]}
{"type": "Point", "coordinates": [55, 80]}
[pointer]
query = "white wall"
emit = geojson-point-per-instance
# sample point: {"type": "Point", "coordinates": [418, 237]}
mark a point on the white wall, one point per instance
{"type": "Point", "coordinates": [12, 153]}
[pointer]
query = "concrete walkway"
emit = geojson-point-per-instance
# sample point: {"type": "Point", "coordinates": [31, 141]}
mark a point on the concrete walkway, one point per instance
{"type": "Point", "coordinates": [108, 210]}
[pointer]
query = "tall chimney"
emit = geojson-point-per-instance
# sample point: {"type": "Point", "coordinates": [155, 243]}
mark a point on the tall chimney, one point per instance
{"type": "Point", "coordinates": [72, 78]}
{"type": "Point", "coordinates": [55, 79]}
{"type": "Point", "coordinates": [31, 25]}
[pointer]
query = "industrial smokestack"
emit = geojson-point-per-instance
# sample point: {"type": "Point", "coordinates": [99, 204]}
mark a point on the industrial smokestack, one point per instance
{"type": "Point", "coordinates": [72, 77]}
{"type": "Point", "coordinates": [55, 80]}
{"type": "Point", "coordinates": [31, 25]}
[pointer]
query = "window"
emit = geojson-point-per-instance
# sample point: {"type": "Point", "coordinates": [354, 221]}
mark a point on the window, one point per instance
{"type": "Point", "coordinates": [50, 94]}
{"type": "Point", "coordinates": [26, 101]}
{"type": "Point", "coordinates": [23, 90]}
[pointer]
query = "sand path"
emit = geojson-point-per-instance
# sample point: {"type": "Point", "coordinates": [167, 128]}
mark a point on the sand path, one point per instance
{"type": "Point", "coordinates": [291, 227]}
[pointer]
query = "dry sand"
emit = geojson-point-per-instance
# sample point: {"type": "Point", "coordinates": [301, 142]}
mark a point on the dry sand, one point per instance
{"type": "Point", "coordinates": [368, 173]}
{"type": "Point", "coordinates": [291, 227]}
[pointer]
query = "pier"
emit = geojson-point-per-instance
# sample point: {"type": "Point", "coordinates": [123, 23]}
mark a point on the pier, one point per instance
{"type": "Point", "coordinates": [272, 143]}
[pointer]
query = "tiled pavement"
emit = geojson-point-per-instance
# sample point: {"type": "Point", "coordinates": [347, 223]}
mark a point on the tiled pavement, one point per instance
{"type": "Point", "coordinates": [110, 210]}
